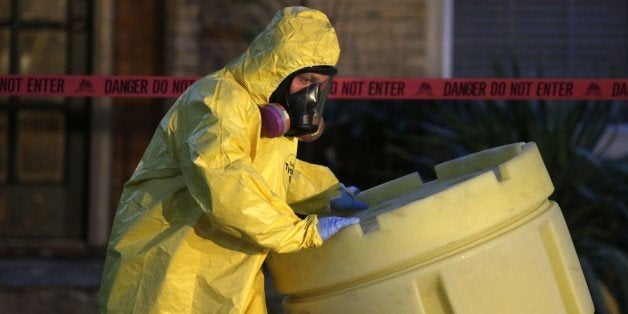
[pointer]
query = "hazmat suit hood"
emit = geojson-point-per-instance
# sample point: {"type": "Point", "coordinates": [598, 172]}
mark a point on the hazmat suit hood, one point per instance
{"type": "Point", "coordinates": [284, 47]}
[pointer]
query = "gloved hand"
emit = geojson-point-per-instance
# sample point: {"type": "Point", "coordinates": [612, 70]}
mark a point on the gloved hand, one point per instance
{"type": "Point", "coordinates": [346, 200]}
{"type": "Point", "coordinates": [328, 226]}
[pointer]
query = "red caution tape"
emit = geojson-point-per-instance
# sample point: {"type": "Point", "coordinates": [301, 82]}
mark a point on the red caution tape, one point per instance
{"type": "Point", "coordinates": [94, 86]}
{"type": "Point", "coordinates": [417, 88]}
{"type": "Point", "coordinates": [342, 88]}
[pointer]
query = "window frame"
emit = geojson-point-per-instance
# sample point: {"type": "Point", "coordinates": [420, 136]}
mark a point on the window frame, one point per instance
{"type": "Point", "coordinates": [76, 27]}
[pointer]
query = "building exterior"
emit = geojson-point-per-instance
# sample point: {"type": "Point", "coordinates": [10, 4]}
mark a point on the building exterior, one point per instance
{"type": "Point", "coordinates": [63, 161]}
{"type": "Point", "coordinates": [66, 159]}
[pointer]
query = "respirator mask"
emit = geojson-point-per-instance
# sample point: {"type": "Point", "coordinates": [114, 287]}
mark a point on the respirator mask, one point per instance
{"type": "Point", "coordinates": [299, 114]}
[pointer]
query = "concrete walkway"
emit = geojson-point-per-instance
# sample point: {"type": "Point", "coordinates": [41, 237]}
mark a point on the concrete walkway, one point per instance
{"type": "Point", "coordinates": [64, 286]}
{"type": "Point", "coordinates": [49, 285]}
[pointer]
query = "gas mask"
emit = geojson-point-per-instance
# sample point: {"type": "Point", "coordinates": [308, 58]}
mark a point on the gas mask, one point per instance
{"type": "Point", "coordinates": [299, 114]}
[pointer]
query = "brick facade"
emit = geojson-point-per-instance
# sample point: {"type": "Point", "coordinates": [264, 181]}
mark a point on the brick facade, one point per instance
{"type": "Point", "coordinates": [374, 35]}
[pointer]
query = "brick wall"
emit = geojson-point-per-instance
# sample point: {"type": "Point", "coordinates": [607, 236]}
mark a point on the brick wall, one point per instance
{"type": "Point", "coordinates": [376, 38]}
{"type": "Point", "coordinates": [379, 38]}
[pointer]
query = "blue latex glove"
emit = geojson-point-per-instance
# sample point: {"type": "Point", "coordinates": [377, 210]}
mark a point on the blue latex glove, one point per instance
{"type": "Point", "coordinates": [346, 201]}
{"type": "Point", "coordinates": [328, 226]}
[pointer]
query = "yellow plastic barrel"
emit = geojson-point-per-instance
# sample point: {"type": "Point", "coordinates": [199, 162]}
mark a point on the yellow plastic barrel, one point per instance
{"type": "Point", "coordinates": [481, 238]}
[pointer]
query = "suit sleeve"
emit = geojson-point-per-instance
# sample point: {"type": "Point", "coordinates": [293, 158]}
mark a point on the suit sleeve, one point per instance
{"type": "Point", "coordinates": [311, 188]}
{"type": "Point", "coordinates": [213, 139]}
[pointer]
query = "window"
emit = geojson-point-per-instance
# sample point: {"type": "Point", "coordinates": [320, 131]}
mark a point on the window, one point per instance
{"type": "Point", "coordinates": [43, 141]}
{"type": "Point", "coordinates": [566, 38]}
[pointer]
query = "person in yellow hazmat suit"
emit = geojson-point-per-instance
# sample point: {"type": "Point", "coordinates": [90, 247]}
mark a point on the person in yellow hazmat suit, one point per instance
{"type": "Point", "coordinates": [219, 185]}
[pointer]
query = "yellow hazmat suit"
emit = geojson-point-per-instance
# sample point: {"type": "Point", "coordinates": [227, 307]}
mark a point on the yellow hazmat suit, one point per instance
{"type": "Point", "coordinates": [210, 197]}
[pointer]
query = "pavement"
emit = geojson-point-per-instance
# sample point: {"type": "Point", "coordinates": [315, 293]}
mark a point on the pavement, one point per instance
{"type": "Point", "coordinates": [49, 285]}
{"type": "Point", "coordinates": [66, 286]}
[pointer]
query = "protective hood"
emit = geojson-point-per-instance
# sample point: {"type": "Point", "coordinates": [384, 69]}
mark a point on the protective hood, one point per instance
{"type": "Point", "coordinates": [284, 47]}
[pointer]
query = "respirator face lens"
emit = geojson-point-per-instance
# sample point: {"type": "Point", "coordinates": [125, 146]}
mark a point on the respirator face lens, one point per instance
{"type": "Point", "coordinates": [305, 108]}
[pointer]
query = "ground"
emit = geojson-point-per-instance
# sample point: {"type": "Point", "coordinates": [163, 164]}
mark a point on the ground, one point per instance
{"type": "Point", "coordinates": [63, 286]}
